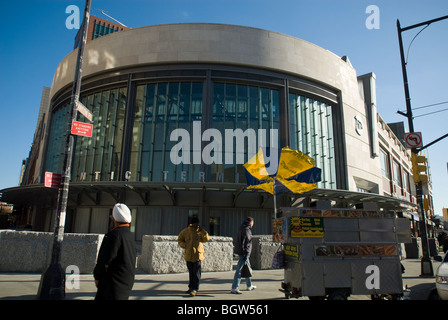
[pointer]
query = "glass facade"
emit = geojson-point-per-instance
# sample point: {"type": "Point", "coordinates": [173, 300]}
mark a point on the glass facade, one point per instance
{"type": "Point", "coordinates": [96, 158]}
{"type": "Point", "coordinates": [244, 111]}
{"type": "Point", "coordinates": [57, 139]}
{"type": "Point", "coordinates": [161, 108]}
{"type": "Point", "coordinates": [190, 131]}
{"type": "Point", "coordinates": [311, 131]}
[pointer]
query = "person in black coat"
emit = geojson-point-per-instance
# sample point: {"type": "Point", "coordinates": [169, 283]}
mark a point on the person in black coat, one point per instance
{"type": "Point", "coordinates": [114, 272]}
{"type": "Point", "coordinates": [243, 248]}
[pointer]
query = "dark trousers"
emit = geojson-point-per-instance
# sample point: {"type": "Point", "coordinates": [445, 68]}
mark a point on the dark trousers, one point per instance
{"type": "Point", "coordinates": [194, 270]}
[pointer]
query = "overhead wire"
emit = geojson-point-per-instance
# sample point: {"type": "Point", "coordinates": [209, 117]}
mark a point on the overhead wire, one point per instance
{"type": "Point", "coordinates": [430, 105]}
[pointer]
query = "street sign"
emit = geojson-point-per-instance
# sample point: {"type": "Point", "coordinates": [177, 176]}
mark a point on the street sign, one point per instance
{"type": "Point", "coordinates": [84, 111]}
{"type": "Point", "coordinates": [413, 140]}
{"type": "Point", "coordinates": [52, 180]}
{"type": "Point", "coordinates": [82, 129]}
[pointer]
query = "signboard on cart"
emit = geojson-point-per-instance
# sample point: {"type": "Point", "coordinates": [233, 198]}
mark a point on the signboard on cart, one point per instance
{"type": "Point", "coordinates": [307, 227]}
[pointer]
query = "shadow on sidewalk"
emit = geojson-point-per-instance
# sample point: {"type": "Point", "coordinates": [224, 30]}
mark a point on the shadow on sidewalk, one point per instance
{"type": "Point", "coordinates": [421, 291]}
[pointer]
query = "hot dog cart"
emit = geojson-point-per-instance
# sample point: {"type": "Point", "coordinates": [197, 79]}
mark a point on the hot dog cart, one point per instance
{"type": "Point", "coordinates": [336, 253]}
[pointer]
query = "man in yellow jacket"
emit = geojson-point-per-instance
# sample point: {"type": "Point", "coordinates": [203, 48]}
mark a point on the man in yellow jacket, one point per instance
{"type": "Point", "coordinates": [191, 239]}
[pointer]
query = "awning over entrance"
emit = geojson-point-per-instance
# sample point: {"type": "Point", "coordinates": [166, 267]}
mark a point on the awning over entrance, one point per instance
{"type": "Point", "coordinates": [187, 194]}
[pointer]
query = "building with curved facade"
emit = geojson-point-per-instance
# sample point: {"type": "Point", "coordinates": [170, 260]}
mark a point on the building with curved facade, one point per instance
{"type": "Point", "coordinates": [177, 109]}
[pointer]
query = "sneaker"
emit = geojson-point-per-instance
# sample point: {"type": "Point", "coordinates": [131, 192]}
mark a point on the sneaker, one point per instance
{"type": "Point", "coordinates": [192, 293]}
{"type": "Point", "coordinates": [235, 291]}
{"type": "Point", "coordinates": [251, 288]}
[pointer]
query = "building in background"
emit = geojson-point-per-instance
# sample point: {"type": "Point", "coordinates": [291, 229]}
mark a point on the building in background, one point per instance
{"type": "Point", "coordinates": [31, 172]}
{"type": "Point", "coordinates": [97, 28]}
{"type": "Point", "coordinates": [177, 109]}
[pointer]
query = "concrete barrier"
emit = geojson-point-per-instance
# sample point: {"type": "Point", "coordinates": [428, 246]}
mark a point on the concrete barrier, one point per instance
{"type": "Point", "coordinates": [29, 251]}
{"type": "Point", "coordinates": [263, 250]}
{"type": "Point", "coordinates": [162, 254]}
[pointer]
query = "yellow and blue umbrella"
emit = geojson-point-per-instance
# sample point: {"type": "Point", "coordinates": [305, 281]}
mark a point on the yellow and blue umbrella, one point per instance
{"type": "Point", "coordinates": [295, 171]}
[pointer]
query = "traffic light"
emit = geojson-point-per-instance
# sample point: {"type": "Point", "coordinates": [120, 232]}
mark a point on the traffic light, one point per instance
{"type": "Point", "coordinates": [419, 168]}
{"type": "Point", "coordinates": [426, 204]}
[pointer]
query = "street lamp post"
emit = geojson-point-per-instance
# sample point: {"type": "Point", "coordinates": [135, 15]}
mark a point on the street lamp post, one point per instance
{"type": "Point", "coordinates": [52, 282]}
{"type": "Point", "coordinates": [426, 263]}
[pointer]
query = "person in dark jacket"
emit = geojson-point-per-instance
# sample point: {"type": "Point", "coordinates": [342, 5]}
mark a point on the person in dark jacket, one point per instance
{"type": "Point", "coordinates": [114, 272]}
{"type": "Point", "coordinates": [243, 248]}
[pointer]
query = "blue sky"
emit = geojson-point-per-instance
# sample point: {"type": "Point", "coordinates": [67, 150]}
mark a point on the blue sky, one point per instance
{"type": "Point", "coordinates": [34, 39]}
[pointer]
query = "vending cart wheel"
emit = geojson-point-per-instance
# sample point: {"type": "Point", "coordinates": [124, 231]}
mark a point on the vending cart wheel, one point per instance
{"type": "Point", "coordinates": [337, 295]}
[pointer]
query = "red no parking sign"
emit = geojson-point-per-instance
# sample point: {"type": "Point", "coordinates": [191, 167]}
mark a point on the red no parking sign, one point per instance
{"type": "Point", "coordinates": [82, 129]}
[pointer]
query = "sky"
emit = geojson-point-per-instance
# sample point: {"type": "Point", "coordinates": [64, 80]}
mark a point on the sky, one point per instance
{"type": "Point", "coordinates": [34, 39]}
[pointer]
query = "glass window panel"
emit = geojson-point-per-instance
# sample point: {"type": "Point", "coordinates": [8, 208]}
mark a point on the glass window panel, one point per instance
{"type": "Point", "coordinates": [159, 132]}
{"type": "Point", "coordinates": [254, 108]}
{"type": "Point", "coordinates": [97, 31]}
{"type": "Point", "coordinates": [107, 139]}
{"type": "Point", "coordinates": [101, 131]}
{"type": "Point", "coordinates": [292, 116]}
{"type": "Point", "coordinates": [406, 185]}
{"type": "Point", "coordinates": [384, 164]}
{"type": "Point", "coordinates": [265, 112]}
{"type": "Point", "coordinates": [184, 101]}
{"type": "Point", "coordinates": [275, 107]}
{"type": "Point", "coordinates": [57, 139]}
{"type": "Point", "coordinates": [311, 132]}
{"type": "Point", "coordinates": [183, 172]}
{"type": "Point", "coordinates": [230, 97]}
{"type": "Point", "coordinates": [168, 106]}
{"type": "Point", "coordinates": [242, 105]}
{"type": "Point", "coordinates": [119, 127]}
{"type": "Point", "coordinates": [137, 132]}
{"type": "Point", "coordinates": [246, 108]}
{"type": "Point", "coordinates": [96, 158]}
{"type": "Point", "coordinates": [111, 132]}
{"type": "Point", "coordinates": [397, 174]}
{"type": "Point", "coordinates": [196, 101]}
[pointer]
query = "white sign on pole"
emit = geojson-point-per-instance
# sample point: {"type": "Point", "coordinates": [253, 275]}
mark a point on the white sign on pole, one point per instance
{"type": "Point", "coordinates": [84, 111]}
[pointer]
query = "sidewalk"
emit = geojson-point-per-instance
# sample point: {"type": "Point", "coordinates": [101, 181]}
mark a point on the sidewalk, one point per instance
{"type": "Point", "coordinates": [214, 286]}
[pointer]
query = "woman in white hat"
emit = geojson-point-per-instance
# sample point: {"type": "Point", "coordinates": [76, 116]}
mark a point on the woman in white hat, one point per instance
{"type": "Point", "coordinates": [114, 272]}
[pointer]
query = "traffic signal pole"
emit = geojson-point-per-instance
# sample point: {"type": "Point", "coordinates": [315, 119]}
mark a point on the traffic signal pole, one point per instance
{"type": "Point", "coordinates": [52, 282]}
{"type": "Point", "coordinates": [427, 269]}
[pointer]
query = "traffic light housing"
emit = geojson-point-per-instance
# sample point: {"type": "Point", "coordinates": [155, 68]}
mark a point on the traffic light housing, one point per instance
{"type": "Point", "coordinates": [425, 204]}
{"type": "Point", "coordinates": [419, 168]}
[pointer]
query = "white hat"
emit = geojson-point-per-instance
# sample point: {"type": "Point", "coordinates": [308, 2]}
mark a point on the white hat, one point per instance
{"type": "Point", "coordinates": [121, 213]}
